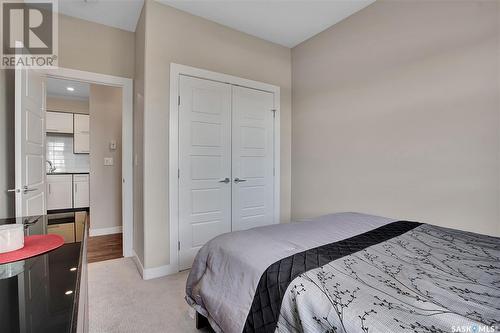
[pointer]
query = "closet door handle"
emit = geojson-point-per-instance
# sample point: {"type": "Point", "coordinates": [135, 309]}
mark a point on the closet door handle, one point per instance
{"type": "Point", "coordinates": [237, 180]}
{"type": "Point", "coordinates": [225, 180]}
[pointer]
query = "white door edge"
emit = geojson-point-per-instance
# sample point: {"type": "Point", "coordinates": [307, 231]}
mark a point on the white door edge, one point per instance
{"type": "Point", "coordinates": [29, 142]}
{"type": "Point", "coordinates": [175, 71]}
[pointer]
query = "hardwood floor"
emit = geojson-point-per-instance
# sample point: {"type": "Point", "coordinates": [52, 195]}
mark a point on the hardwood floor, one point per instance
{"type": "Point", "coordinates": [106, 247]}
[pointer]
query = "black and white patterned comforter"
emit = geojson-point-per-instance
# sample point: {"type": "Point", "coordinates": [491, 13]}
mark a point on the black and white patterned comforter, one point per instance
{"type": "Point", "coordinates": [401, 277]}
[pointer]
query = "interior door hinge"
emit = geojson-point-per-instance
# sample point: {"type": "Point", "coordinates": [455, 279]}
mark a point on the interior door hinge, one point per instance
{"type": "Point", "coordinates": [274, 171]}
{"type": "Point", "coordinates": [179, 245]}
{"type": "Point", "coordinates": [178, 173]}
{"type": "Point", "coordinates": [274, 112]}
{"type": "Point", "coordinates": [179, 100]}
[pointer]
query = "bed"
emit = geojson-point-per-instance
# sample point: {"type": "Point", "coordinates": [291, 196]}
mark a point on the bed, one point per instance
{"type": "Point", "coordinates": [348, 272]}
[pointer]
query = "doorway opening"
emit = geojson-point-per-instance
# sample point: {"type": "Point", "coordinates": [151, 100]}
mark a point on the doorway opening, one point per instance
{"type": "Point", "coordinates": [84, 156]}
{"type": "Point", "coordinates": [58, 117]}
{"type": "Point", "coordinates": [110, 160]}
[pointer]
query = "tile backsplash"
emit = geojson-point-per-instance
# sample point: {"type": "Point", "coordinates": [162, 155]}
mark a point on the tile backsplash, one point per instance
{"type": "Point", "coordinates": [60, 153]}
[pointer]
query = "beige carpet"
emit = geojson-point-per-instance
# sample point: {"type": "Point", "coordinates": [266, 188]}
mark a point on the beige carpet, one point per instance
{"type": "Point", "coordinates": [120, 301]}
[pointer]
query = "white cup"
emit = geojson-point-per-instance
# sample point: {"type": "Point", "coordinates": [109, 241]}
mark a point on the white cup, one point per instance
{"type": "Point", "coordinates": [11, 237]}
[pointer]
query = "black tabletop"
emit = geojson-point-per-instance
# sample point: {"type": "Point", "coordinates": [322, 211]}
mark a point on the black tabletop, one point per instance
{"type": "Point", "coordinates": [39, 294]}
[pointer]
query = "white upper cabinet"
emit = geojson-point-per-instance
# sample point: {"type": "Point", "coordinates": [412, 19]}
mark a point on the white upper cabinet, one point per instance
{"type": "Point", "coordinates": [82, 123]}
{"type": "Point", "coordinates": [82, 134]}
{"type": "Point", "coordinates": [59, 122]}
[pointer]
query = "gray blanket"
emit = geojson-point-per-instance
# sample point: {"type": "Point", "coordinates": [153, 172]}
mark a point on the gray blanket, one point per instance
{"type": "Point", "coordinates": [226, 271]}
{"type": "Point", "coordinates": [429, 279]}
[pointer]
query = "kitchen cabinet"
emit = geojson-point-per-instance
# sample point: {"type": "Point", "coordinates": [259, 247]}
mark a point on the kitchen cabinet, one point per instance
{"type": "Point", "coordinates": [80, 218]}
{"type": "Point", "coordinates": [59, 122]}
{"type": "Point", "coordinates": [65, 230]}
{"type": "Point", "coordinates": [82, 134]}
{"type": "Point", "coordinates": [81, 191]}
{"type": "Point", "coordinates": [59, 192]}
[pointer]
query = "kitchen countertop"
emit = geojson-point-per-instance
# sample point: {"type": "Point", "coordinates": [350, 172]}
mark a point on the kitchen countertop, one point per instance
{"type": "Point", "coordinates": [40, 294]}
{"type": "Point", "coordinates": [68, 173]}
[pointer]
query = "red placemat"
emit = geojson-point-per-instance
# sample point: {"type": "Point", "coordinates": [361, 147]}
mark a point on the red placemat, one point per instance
{"type": "Point", "coordinates": [33, 246]}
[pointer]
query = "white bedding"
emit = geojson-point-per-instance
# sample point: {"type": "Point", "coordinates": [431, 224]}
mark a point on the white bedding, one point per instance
{"type": "Point", "coordinates": [226, 271]}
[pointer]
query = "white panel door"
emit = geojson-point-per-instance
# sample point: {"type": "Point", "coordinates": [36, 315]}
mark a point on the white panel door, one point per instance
{"type": "Point", "coordinates": [204, 164]}
{"type": "Point", "coordinates": [252, 158]}
{"type": "Point", "coordinates": [30, 142]}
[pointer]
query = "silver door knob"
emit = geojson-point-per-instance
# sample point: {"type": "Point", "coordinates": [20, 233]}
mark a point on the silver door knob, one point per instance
{"type": "Point", "coordinates": [237, 180]}
{"type": "Point", "coordinates": [225, 180]}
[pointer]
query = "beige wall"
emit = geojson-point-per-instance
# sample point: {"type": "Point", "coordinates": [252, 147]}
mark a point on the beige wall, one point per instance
{"type": "Point", "coordinates": [7, 167]}
{"type": "Point", "coordinates": [83, 45]}
{"type": "Point", "coordinates": [62, 104]}
{"type": "Point", "coordinates": [396, 113]}
{"type": "Point", "coordinates": [105, 105]}
{"type": "Point", "coordinates": [94, 47]}
{"type": "Point", "coordinates": [140, 50]}
{"type": "Point", "coordinates": [175, 36]}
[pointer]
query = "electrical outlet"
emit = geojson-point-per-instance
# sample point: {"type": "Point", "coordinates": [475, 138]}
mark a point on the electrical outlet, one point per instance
{"type": "Point", "coordinates": [108, 161]}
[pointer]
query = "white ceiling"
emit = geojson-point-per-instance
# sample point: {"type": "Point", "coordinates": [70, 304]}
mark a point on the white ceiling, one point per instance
{"type": "Point", "coordinates": [122, 14]}
{"type": "Point", "coordinates": [57, 88]}
{"type": "Point", "coordinates": [285, 22]}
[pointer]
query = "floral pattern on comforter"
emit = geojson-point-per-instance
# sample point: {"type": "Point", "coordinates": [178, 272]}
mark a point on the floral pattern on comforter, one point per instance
{"type": "Point", "coordinates": [429, 279]}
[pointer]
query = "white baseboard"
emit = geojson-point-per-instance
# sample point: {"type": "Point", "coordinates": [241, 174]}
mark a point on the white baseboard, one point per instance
{"type": "Point", "coordinates": [155, 272]}
{"type": "Point", "coordinates": [105, 231]}
{"type": "Point", "coordinates": [138, 263]}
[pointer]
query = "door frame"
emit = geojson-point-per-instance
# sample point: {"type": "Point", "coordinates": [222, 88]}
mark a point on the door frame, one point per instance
{"type": "Point", "coordinates": [127, 141]}
{"type": "Point", "coordinates": [173, 181]}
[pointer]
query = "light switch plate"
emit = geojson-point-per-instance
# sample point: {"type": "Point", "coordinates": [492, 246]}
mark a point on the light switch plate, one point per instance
{"type": "Point", "coordinates": [108, 161]}
{"type": "Point", "coordinates": [112, 145]}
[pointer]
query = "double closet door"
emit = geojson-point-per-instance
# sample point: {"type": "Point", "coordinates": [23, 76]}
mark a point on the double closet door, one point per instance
{"type": "Point", "coordinates": [226, 161]}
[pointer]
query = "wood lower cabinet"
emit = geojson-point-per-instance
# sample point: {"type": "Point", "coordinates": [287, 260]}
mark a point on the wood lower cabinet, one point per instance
{"type": "Point", "coordinates": [80, 218]}
{"type": "Point", "coordinates": [70, 226]}
{"type": "Point", "coordinates": [65, 230]}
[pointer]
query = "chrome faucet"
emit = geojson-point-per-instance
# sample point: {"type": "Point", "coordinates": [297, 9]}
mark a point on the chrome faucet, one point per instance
{"type": "Point", "coordinates": [52, 168]}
